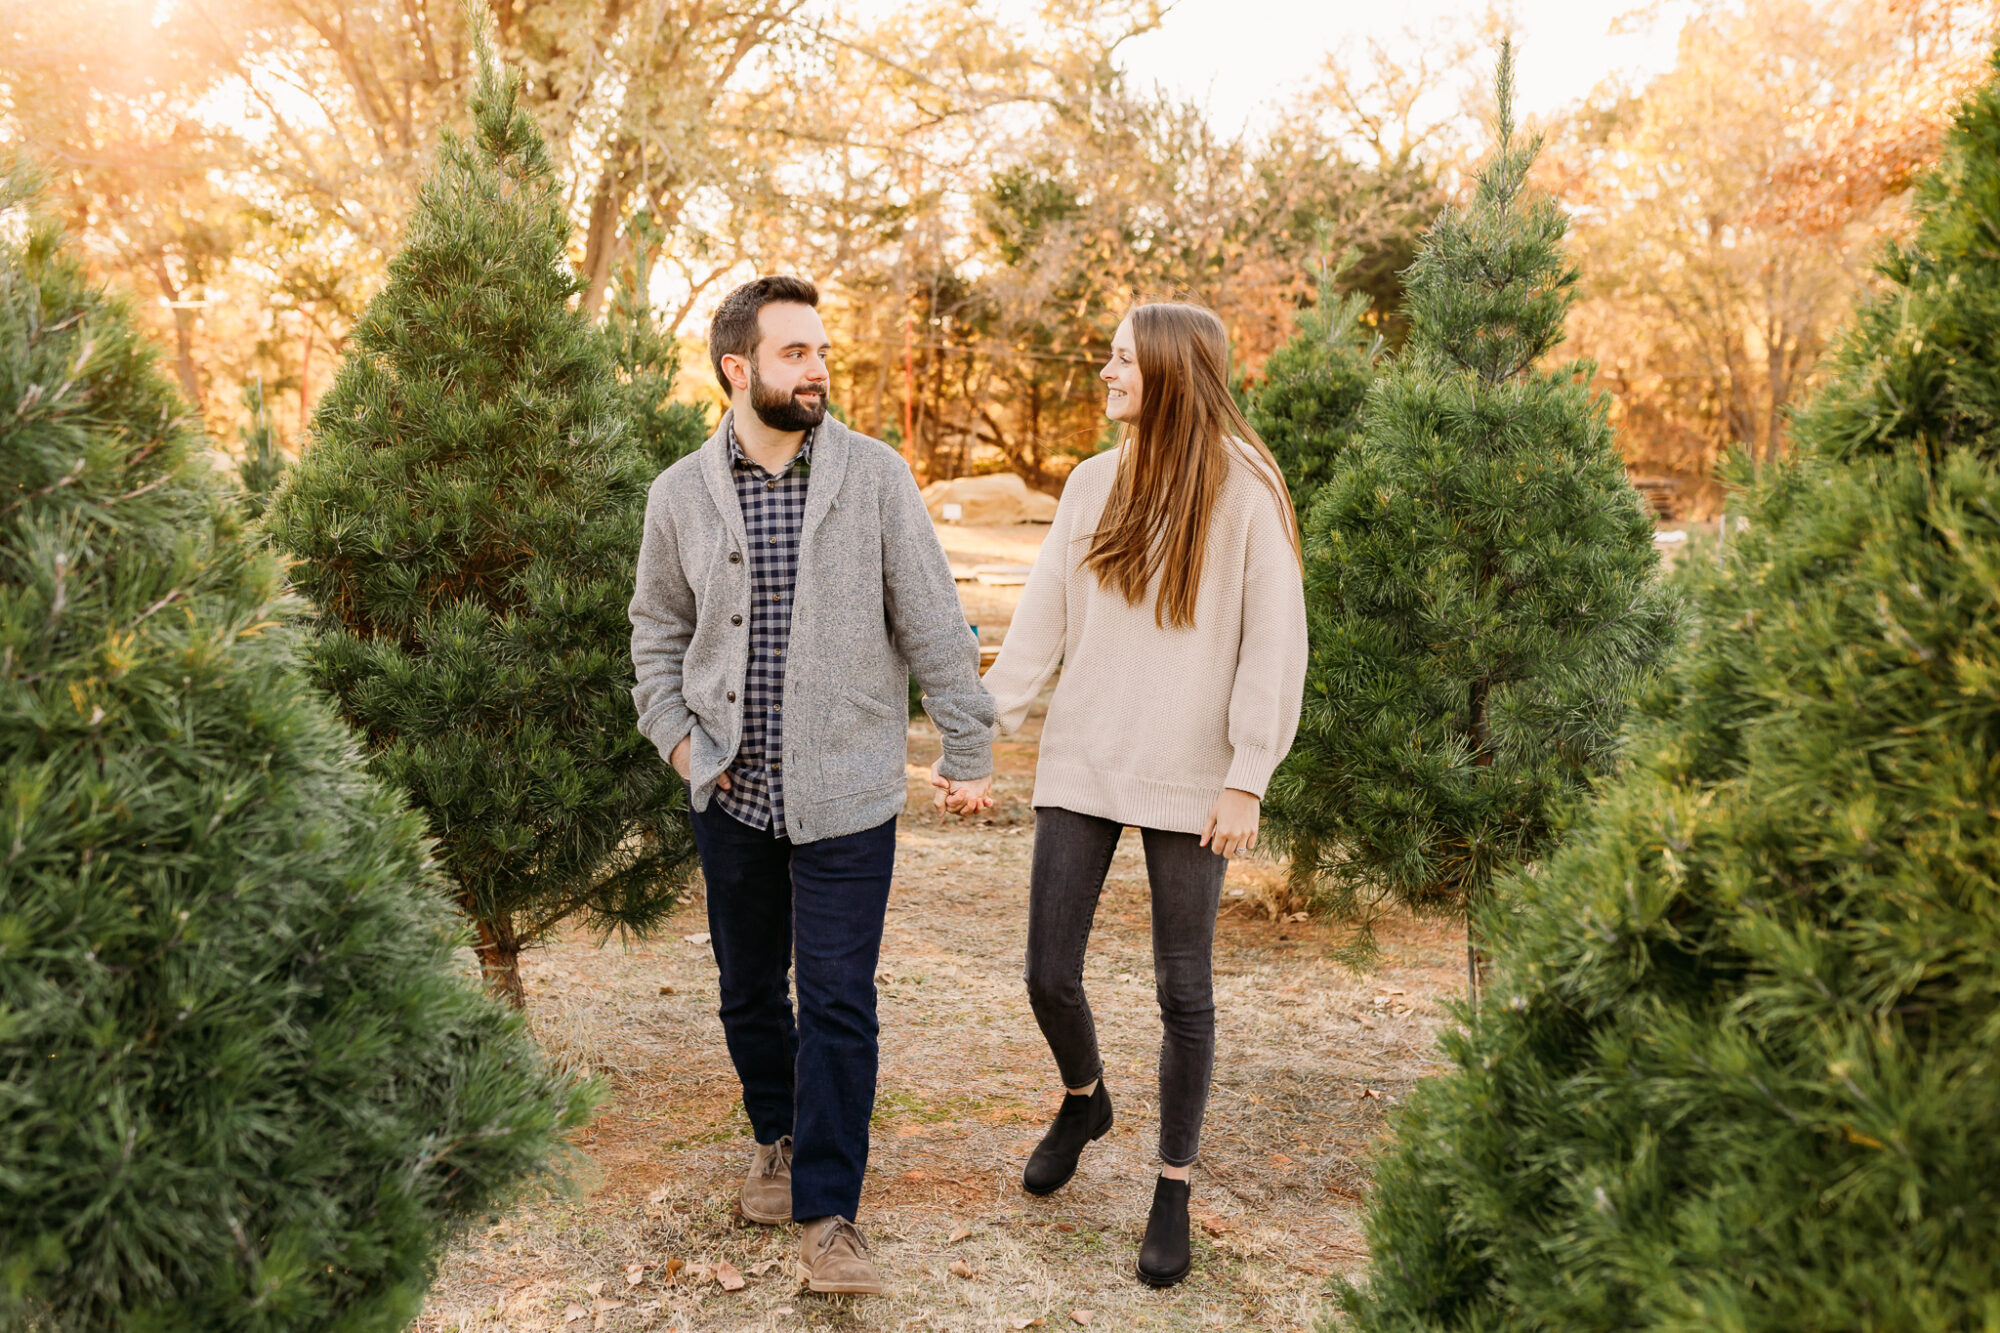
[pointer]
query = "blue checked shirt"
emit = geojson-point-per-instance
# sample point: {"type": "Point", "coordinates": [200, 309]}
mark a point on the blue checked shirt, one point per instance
{"type": "Point", "coordinates": [774, 510]}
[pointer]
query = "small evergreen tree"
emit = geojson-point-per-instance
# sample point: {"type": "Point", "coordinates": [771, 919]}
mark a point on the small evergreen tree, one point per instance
{"type": "Point", "coordinates": [467, 520]}
{"type": "Point", "coordinates": [647, 360]}
{"type": "Point", "coordinates": [262, 465]}
{"type": "Point", "coordinates": [1741, 1072]}
{"type": "Point", "coordinates": [1307, 407]}
{"type": "Point", "coordinates": [1481, 580]}
{"type": "Point", "coordinates": [243, 1084]}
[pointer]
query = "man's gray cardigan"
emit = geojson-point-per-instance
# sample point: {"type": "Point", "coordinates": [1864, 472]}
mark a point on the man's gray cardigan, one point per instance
{"type": "Point", "coordinates": [874, 605]}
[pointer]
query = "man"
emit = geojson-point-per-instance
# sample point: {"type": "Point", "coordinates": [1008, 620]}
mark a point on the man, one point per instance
{"type": "Point", "coordinates": [789, 584]}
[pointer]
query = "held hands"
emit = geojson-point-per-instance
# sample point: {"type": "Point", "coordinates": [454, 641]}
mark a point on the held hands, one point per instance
{"type": "Point", "coordinates": [679, 759]}
{"type": "Point", "coordinates": [1232, 825]}
{"type": "Point", "coordinates": [963, 799]}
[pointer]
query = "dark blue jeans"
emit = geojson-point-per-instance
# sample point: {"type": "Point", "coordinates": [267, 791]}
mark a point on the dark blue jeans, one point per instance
{"type": "Point", "coordinates": [822, 903]}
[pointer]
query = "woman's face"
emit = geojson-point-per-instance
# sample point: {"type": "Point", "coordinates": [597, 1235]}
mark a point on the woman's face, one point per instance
{"type": "Point", "coordinates": [1121, 377]}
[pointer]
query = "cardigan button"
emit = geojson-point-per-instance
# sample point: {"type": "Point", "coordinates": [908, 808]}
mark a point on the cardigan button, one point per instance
{"type": "Point", "coordinates": [736, 620]}
{"type": "Point", "coordinates": [736, 557]}
{"type": "Point", "coordinates": [732, 696]}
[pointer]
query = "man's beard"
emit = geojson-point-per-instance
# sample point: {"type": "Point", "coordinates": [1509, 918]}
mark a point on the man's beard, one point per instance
{"type": "Point", "coordinates": [781, 410]}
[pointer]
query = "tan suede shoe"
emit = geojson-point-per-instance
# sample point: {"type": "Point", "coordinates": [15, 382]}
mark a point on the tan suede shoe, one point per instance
{"type": "Point", "coordinates": [767, 1190]}
{"type": "Point", "coordinates": [833, 1259]}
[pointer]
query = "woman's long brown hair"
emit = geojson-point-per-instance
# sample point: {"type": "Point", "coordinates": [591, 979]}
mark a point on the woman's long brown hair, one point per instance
{"type": "Point", "coordinates": [1178, 454]}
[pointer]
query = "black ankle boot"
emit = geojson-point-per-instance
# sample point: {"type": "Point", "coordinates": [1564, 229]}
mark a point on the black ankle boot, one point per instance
{"type": "Point", "coordinates": [1164, 1258]}
{"type": "Point", "coordinates": [1082, 1120]}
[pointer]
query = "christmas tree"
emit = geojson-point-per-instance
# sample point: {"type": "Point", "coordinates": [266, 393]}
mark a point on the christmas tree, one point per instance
{"type": "Point", "coordinates": [466, 518]}
{"type": "Point", "coordinates": [1307, 409]}
{"type": "Point", "coordinates": [262, 464]}
{"type": "Point", "coordinates": [1481, 580]}
{"type": "Point", "coordinates": [1739, 1072]}
{"type": "Point", "coordinates": [243, 1083]}
{"type": "Point", "coordinates": [647, 360]}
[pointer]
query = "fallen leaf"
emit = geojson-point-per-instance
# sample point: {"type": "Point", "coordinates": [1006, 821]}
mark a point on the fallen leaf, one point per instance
{"type": "Point", "coordinates": [961, 1268]}
{"type": "Point", "coordinates": [634, 1274]}
{"type": "Point", "coordinates": [573, 1312]}
{"type": "Point", "coordinates": [783, 1309]}
{"type": "Point", "coordinates": [958, 1235]}
{"type": "Point", "coordinates": [1065, 1226]}
{"type": "Point", "coordinates": [668, 990]}
{"type": "Point", "coordinates": [1083, 1316]}
{"type": "Point", "coordinates": [603, 1303]}
{"type": "Point", "coordinates": [1212, 1224]}
{"type": "Point", "coordinates": [671, 1267]}
{"type": "Point", "coordinates": [595, 1288]}
{"type": "Point", "coordinates": [1279, 1159]}
{"type": "Point", "coordinates": [764, 1266]}
{"type": "Point", "coordinates": [699, 937]}
{"type": "Point", "coordinates": [1026, 1321]}
{"type": "Point", "coordinates": [1366, 1093]}
{"type": "Point", "coordinates": [726, 1274]}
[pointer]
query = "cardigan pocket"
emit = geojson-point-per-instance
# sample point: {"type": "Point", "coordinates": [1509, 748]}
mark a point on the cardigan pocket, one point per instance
{"type": "Point", "coordinates": [863, 744]}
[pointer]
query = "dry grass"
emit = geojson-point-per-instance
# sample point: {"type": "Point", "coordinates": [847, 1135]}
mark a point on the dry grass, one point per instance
{"type": "Point", "coordinates": [966, 1086]}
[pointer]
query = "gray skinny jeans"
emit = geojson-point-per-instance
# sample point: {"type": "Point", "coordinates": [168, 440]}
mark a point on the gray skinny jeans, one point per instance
{"type": "Point", "coordinates": [1072, 854]}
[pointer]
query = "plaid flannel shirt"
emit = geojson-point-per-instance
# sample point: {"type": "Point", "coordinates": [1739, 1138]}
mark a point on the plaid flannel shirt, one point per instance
{"type": "Point", "coordinates": [774, 508]}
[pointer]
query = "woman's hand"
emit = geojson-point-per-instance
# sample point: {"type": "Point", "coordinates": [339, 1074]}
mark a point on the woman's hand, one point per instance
{"type": "Point", "coordinates": [1232, 826]}
{"type": "Point", "coordinates": [961, 798]}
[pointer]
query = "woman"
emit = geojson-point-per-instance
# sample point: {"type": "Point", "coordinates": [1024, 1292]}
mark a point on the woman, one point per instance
{"type": "Point", "coordinates": [1169, 591]}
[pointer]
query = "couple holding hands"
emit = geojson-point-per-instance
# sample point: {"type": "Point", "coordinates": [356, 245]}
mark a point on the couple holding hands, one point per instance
{"type": "Point", "coordinates": [789, 585]}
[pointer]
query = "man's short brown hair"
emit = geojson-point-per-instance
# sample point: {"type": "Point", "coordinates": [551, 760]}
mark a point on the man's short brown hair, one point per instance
{"type": "Point", "coordinates": [733, 332]}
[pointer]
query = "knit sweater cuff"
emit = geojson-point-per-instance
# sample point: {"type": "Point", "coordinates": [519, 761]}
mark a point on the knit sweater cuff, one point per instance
{"type": "Point", "coordinates": [1251, 770]}
{"type": "Point", "coordinates": [967, 764]}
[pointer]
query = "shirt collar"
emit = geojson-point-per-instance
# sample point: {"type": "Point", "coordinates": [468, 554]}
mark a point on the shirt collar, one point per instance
{"type": "Point", "coordinates": [741, 459]}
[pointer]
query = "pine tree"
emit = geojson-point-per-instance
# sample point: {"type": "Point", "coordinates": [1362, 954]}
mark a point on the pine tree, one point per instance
{"type": "Point", "coordinates": [647, 360]}
{"type": "Point", "coordinates": [1741, 1069]}
{"type": "Point", "coordinates": [244, 1085]}
{"type": "Point", "coordinates": [466, 519]}
{"type": "Point", "coordinates": [262, 465]}
{"type": "Point", "coordinates": [1307, 408]}
{"type": "Point", "coordinates": [1481, 580]}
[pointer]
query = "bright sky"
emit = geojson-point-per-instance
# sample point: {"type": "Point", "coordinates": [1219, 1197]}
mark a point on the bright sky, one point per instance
{"type": "Point", "coordinates": [1235, 55]}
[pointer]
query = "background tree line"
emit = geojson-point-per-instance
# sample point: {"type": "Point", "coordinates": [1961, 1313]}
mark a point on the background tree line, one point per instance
{"type": "Point", "coordinates": [980, 194]}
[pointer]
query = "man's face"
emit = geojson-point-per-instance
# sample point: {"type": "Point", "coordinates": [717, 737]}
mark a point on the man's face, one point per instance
{"type": "Point", "coordinates": [787, 376]}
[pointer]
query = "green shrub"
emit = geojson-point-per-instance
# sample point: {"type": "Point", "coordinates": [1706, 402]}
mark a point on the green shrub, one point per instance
{"type": "Point", "coordinates": [1741, 1064]}
{"type": "Point", "coordinates": [242, 1084]}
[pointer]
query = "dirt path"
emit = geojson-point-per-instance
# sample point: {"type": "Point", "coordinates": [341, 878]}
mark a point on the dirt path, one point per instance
{"type": "Point", "coordinates": [966, 1087]}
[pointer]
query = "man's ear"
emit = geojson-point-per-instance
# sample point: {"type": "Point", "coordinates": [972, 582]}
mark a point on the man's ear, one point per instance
{"type": "Point", "coordinates": [737, 370]}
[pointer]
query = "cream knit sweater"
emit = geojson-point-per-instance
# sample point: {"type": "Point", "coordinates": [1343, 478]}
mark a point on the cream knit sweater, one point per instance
{"type": "Point", "coordinates": [1149, 725]}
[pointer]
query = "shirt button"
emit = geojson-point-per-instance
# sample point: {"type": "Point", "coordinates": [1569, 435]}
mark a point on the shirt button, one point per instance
{"type": "Point", "coordinates": [772, 542]}
{"type": "Point", "coordinates": [774, 597]}
{"type": "Point", "coordinates": [736, 620]}
{"type": "Point", "coordinates": [771, 485]}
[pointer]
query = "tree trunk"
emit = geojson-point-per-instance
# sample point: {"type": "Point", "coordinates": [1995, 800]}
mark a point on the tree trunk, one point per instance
{"type": "Point", "coordinates": [184, 362]}
{"type": "Point", "coordinates": [500, 960]}
{"type": "Point", "coordinates": [1482, 757]}
{"type": "Point", "coordinates": [1475, 966]}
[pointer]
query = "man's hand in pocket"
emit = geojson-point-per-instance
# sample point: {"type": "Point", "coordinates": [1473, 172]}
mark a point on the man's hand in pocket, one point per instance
{"type": "Point", "coordinates": [679, 759]}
